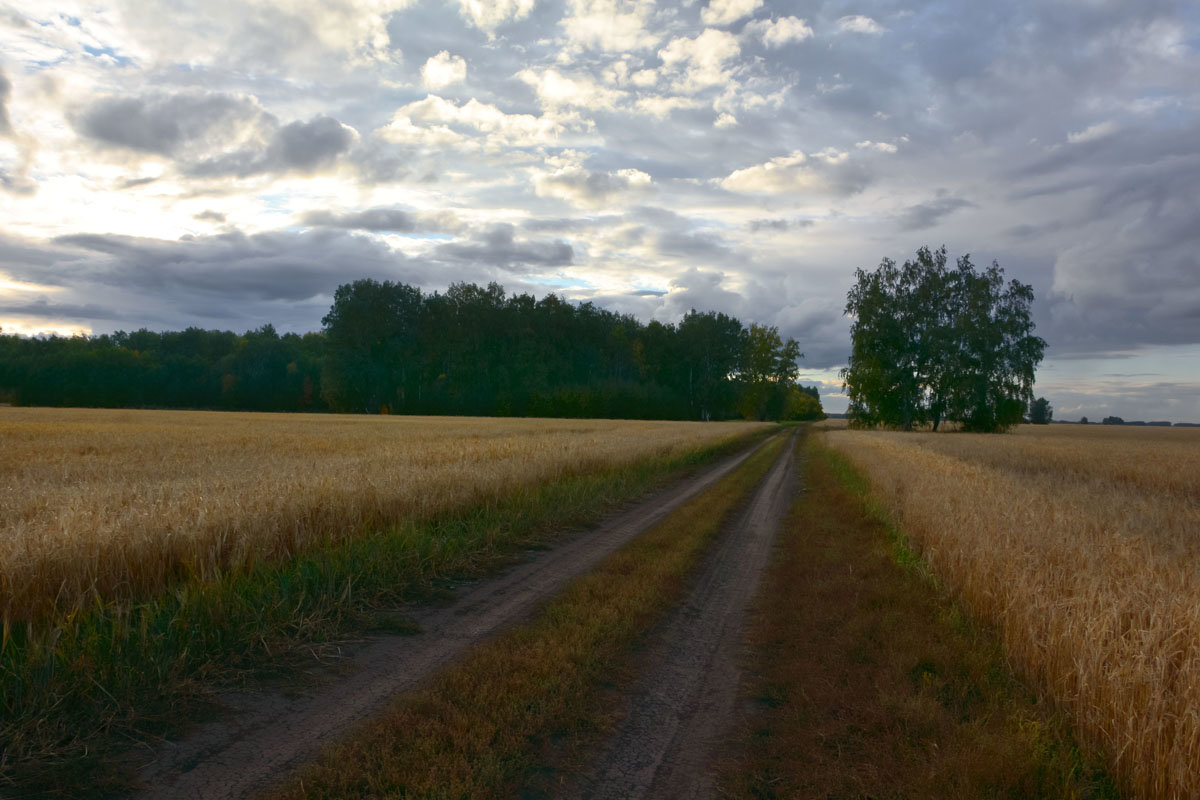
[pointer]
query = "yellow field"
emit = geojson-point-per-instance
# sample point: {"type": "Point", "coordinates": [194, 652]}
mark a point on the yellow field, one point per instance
{"type": "Point", "coordinates": [96, 505]}
{"type": "Point", "coordinates": [1082, 545]}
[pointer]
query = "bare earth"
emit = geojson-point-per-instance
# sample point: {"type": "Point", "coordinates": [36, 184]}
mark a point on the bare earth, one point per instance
{"type": "Point", "coordinates": [684, 705]}
{"type": "Point", "coordinates": [265, 736]}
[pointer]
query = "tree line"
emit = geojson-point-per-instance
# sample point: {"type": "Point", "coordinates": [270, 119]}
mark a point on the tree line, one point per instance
{"type": "Point", "coordinates": [932, 343]}
{"type": "Point", "coordinates": [390, 348]}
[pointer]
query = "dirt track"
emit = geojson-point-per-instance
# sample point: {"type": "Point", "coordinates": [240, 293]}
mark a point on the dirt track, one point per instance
{"type": "Point", "coordinates": [682, 707]}
{"type": "Point", "coordinates": [264, 736]}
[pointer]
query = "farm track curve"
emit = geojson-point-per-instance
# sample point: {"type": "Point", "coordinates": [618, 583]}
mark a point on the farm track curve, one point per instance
{"type": "Point", "coordinates": [684, 704]}
{"type": "Point", "coordinates": [261, 737]}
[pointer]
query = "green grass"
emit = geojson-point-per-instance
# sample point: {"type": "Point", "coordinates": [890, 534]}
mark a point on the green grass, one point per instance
{"type": "Point", "coordinates": [76, 693]}
{"type": "Point", "coordinates": [480, 729]}
{"type": "Point", "coordinates": [867, 680]}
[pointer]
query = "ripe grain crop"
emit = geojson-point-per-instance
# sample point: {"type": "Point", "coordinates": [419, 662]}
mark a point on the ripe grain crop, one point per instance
{"type": "Point", "coordinates": [1080, 545]}
{"type": "Point", "coordinates": [103, 505]}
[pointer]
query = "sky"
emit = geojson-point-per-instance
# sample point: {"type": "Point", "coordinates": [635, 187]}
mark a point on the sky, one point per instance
{"type": "Point", "coordinates": [227, 163]}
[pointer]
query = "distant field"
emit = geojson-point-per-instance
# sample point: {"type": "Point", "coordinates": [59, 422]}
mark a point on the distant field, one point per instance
{"type": "Point", "coordinates": [99, 505]}
{"type": "Point", "coordinates": [1081, 544]}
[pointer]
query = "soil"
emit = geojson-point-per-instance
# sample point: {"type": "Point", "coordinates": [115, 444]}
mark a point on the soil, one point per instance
{"type": "Point", "coordinates": [682, 708]}
{"type": "Point", "coordinates": [259, 738]}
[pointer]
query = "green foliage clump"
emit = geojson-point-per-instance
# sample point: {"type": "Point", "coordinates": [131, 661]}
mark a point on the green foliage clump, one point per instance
{"type": "Point", "coordinates": [930, 343]}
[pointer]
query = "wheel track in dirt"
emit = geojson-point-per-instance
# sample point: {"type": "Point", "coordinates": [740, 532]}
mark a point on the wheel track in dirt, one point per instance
{"type": "Point", "coordinates": [261, 737]}
{"type": "Point", "coordinates": [683, 705]}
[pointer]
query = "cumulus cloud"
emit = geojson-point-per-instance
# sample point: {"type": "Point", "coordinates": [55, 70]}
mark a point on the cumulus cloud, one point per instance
{"type": "Point", "coordinates": [442, 70]}
{"type": "Point", "coordinates": [488, 15]}
{"type": "Point", "coordinates": [859, 24]}
{"type": "Point", "coordinates": [438, 122]}
{"type": "Point", "coordinates": [1093, 133]}
{"type": "Point", "coordinates": [615, 26]}
{"type": "Point", "coordinates": [554, 90]}
{"type": "Point", "coordinates": [827, 171]}
{"type": "Point", "coordinates": [724, 12]}
{"type": "Point", "coordinates": [879, 147]}
{"type": "Point", "coordinates": [779, 32]}
{"type": "Point", "coordinates": [585, 189]}
{"type": "Point", "coordinates": [702, 61]}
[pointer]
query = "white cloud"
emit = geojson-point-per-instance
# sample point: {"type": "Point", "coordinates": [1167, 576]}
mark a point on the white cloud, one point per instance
{"type": "Point", "coordinates": [796, 172]}
{"type": "Point", "coordinates": [726, 120]}
{"type": "Point", "coordinates": [859, 24]}
{"type": "Point", "coordinates": [442, 70]}
{"type": "Point", "coordinates": [777, 33]}
{"type": "Point", "coordinates": [881, 147]}
{"type": "Point", "coordinates": [555, 90]}
{"type": "Point", "coordinates": [610, 25]}
{"type": "Point", "coordinates": [1093, 132]}
{"type": "Point", "coordinates": [437, 122]}
{"type": "Point", "coordinates": [487, 15]}
{"type": "Point", "coordinates": [723, 12]}
{"type": "Point", "coordinates": [700, 62]}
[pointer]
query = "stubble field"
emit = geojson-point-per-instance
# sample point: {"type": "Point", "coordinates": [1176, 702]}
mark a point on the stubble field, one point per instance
{"type": "Point", "coordinates": [1080, 544]}
{"type": "Point", "coordinates": [100, 505]}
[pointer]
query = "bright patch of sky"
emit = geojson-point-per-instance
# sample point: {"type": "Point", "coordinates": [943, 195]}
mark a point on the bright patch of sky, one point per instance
{"type": "Point", "coordinates": [225, 165]}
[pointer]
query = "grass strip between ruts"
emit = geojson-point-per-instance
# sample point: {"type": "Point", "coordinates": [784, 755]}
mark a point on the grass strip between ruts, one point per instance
{"type": "Point", "coordinates": [867, 679]}
{"type": "Point", "coordinates": [477, 731]}
{"type": "Point", "coordinates": [75, 694]}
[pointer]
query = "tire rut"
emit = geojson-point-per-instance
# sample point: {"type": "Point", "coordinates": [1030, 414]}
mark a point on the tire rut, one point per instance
{"type": "Point", "coordinates": [683, 705]}
{"type": "Point", "coordinates": [262, 737]}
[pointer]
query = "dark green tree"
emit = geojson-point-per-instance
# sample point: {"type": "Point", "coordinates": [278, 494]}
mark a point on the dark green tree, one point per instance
{"type": "Point", "coordinates": [371, 335]}
{"type": "Point", "coordinates": [1040, 411]}
{"type": "Point", "coordinates": [930, 343]}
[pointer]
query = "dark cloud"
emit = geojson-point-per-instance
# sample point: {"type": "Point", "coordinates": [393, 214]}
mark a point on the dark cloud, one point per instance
{"type": "Point", "coordinates": [391, 220]}
{"type": "Point", "coordinates": [44, 309]}
{"type": "Point", "coordinates": [498, 247]}
{"type": "Point", "coordinates": [303, 147]}
{"type": "Point", "coordinates": [926, 215]}
{"type": "Point", "coordinates": [208, 215]}
{"type": "Point", "coordinates": [168, 124]}
{"type": "Point", "coordinates": [276, 266]}
{"type": "Point", "coordinates": [757, 225]}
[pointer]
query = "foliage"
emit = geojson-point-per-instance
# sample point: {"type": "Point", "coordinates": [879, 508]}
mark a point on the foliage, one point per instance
{"type": "Point", "coordinates": [932, 343]}
{"type": "Point", "coordinates": [388, 347]}
{"type": "Point", "coordinates": [1112, 421]}
{"type": "Point", "coordinates": [1040, 411]}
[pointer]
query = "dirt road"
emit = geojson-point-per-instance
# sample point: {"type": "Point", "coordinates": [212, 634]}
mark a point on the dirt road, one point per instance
{"type": "Point", "coordinates": [682, 707]}
{"type": "Point", "coordinates": [264, 736]}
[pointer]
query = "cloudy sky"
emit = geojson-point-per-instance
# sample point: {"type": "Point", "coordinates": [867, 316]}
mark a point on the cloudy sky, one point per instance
{"type": "Point", "coordinates": [225, 163]}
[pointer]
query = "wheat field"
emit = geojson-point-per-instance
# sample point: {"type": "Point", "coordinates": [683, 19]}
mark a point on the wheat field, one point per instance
{"type": "Point", "coordinates": [1081, 544]}
{"type": "Point", "coordinates": [97, 505]}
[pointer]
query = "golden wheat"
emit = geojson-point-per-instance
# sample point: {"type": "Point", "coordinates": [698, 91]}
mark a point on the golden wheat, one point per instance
{"type": "Point", "coordinates": [1081, 545]}
{"type": "Point", "coordinates": [99, 505]}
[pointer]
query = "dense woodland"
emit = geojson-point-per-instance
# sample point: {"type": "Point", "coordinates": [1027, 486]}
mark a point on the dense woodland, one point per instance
{"type": "Point", "coordinates": [390, 348]}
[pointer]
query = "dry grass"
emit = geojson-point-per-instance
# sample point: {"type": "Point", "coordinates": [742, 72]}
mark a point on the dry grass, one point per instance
{"type": "Point", "coordinates": [869, 684]}
{"type": "Point", "coordinates": [102, 505]}
{"type": "Point", "coordinates": [477, 731]}
{"type": "Point", "coordinates": [1080, 544]}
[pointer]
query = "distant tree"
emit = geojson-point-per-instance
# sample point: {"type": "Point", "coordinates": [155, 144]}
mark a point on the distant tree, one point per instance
{"type": "Point", "coordinates": [768, 373]}
{"type": "Point", "coordinates": [931, 343]}
{"type": "Point", "coordinates": [1083, 420]}
{"type": "Point", "coordinates": [1040, 411]}
{"type": "Point", "coordinates": [1112, 421]}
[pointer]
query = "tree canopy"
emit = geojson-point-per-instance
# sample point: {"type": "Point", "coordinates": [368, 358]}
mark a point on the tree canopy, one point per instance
{"type": "Point", "coordinates": [932, 343]}
{"type": "Point", "coordinates": [389, 347]}
{"type": "Point", "coordinates": [1040, 412]}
